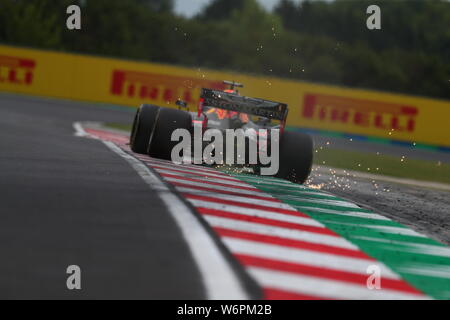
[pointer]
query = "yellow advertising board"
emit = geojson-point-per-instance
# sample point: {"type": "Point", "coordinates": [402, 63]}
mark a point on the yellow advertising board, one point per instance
{"type": "Point", "coordinates": [312, 106]}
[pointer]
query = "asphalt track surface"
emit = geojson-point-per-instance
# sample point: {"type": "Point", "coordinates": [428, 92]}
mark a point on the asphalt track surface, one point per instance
{"type": "Point", "coordinates": [68, 200]}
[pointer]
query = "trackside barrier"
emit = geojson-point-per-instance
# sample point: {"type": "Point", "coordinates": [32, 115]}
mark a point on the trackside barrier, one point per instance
{"type": "Point", "coordinates": [313, 107]}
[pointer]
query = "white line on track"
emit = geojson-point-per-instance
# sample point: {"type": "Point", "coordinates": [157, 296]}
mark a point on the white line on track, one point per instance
{"type": "Point", "coordinates": [256, 213]}
{"type": "Point", "coordinates": [218, 277]}
{"type": "Point", "coordinates": [190, 172]}
{"type": "Point", "coordinates": [205, 184]}
{"type": "Point", "coordinates": [317, 259]}
{"type": "Point", "coordinates": [206, 179]}
{"type": "Point", "coordinates": [355, 214]}
{"type": "Point", "coordinates": [236, 196]}
{"type": "Point", "coordinates": [325, 287]}
{"type": "Point", "coordinates": [79, 130]}
{"type": "Point", "coordinates": [241, 199]}
{"type": "Point", "coordinates": [198, 168]}
{"type": "Point", "coordinates": [387, 229]}
{"type": "Point", "coordinates": [337, 203]}
{"type": "Point", "coordinates": [419, 248]}
{"type": "Point", "coordinates": [280, 232]}
{"type": "Point", "coordinates": [428, 270]}
{"type": "Point", "coordinates": [295, 189]}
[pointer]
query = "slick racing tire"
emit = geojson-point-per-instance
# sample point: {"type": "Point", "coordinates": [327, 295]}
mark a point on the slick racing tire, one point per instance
{"type": "Point", "coordinates": [296, 155]}
{"type": "Point", "coordinates": [167, 121]}
{"type": "Point", "coordinates": [143, 124]}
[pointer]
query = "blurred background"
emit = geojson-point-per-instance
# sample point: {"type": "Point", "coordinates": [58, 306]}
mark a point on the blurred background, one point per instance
{"type": "Point", "coordinates": [319, 41]}
{"type": "Point", "coordinates": [312, 55]}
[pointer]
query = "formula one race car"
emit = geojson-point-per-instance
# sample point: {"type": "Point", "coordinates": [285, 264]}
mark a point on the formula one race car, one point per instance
{"type": "Point", "coordinates": [225, 110]}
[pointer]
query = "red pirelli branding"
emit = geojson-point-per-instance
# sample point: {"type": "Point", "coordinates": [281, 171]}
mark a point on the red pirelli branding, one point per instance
{"type": "Point", "coordinates": [359, 112]}
{"type": "Point", "coordinates": [158, 87]}
{"type": "Point", "coordinates": [16, 70]}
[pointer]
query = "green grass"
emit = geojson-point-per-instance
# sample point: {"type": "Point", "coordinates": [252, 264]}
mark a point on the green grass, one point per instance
{"type": "Point", "coordinates": [384, 164]}
{"type": "Point", "coordinates": [369, 162]}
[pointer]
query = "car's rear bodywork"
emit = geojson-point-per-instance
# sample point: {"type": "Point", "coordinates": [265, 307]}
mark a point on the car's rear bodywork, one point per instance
{"type": "Point", "coordinates": [228, 111]}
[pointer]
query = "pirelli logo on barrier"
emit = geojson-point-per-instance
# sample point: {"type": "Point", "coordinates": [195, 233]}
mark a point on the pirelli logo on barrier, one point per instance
{"type": "Point", "coordinates": [15, 70]}
{"type": "Point", "coordinates": [314, 106]}
{"type": "Point", "coordinates": [159, 87]}
{"type": "Point", "coordinates": [360, 113]}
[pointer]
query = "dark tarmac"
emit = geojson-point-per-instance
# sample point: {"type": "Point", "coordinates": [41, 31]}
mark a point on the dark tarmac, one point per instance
{"type": "Point", "coordinates": [67, 200]}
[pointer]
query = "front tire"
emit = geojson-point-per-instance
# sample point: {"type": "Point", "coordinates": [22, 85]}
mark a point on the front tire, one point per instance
{"type": "Point", "coordinates": [296, 155]}
{"type": "Point", "coordinates": [143, 124]}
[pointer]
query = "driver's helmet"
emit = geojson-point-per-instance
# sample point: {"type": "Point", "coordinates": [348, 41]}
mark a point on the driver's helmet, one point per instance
{"type": "Point", "coordinates": [226, 114]}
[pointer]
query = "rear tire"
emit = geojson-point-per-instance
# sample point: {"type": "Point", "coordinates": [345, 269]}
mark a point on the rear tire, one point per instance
{"type": "Point", "coordinates": [167, 121]}
{"type": "Point", "coordinates": [143, 124]}
{"type": "Point", "coordinates": [296, 155]}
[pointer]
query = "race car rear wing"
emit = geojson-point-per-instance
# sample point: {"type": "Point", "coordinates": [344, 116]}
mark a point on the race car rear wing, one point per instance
{"type": "Point", "coordinates": [252, 106]}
